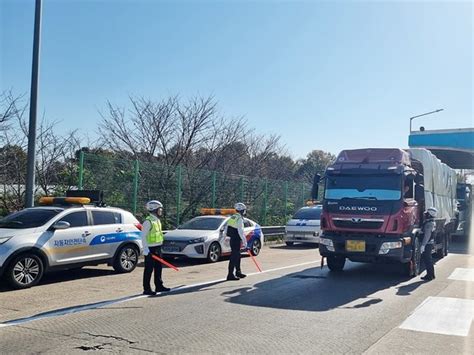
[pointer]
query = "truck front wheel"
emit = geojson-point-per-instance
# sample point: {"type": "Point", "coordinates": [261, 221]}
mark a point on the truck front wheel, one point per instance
{"type": "Point", "coordinates": [336, 262]}
{"type": "Point", "coordinates": [413, 266]}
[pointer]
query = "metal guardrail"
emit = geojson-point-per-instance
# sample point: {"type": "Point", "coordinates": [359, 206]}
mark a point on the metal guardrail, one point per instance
{"type": "Point", "coordinates": [269, 231]}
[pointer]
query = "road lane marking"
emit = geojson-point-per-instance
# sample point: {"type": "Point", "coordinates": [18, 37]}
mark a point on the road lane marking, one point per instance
{"type": "Point", "coordinates": [462, 274]}
{"type": "Point", "coordinates": [86, 307]}
{"type": "Point", "coordinates": [442, 315]}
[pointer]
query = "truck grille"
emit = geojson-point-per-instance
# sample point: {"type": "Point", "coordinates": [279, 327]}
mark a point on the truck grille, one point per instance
{"type": "Point", "coordinates": [358, 223]}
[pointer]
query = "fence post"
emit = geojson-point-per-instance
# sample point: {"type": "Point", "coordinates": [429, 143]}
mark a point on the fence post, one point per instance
{"type": "Point", "coordinates": [241, 189]}
{"type": "Point", "coordinates": [302, 194]}
{"type": "Point", "coordinates": [286, 199]}
{"type": "Point", "coordinates": [178, 194]}
{"type": "Point", "coordinates": [136, 171]}
{"type": "Point", "coordinates": [265, 201]}
{"type": "Point", "coordinates": [214, 178]}
{"type": "Point", "coordinates": [81, 170]}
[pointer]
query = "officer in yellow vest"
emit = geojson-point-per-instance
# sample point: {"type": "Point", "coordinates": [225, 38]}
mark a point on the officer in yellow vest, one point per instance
{"type": "Point", "coordinates": [235, 230]}
{"type": "Point", "coordinates": [152, 239]}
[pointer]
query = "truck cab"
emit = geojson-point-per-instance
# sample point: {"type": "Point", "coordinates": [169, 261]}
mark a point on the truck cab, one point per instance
{"type": "Point", "coordinates": [372, 209]}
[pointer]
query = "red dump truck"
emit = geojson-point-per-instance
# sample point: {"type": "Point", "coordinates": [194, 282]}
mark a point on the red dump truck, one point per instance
{"type": "Point", "coordinates": [373, 206]}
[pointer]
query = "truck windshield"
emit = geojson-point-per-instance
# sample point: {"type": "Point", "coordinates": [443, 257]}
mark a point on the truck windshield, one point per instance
{"type": "Point", "coordinates": [373, 187]}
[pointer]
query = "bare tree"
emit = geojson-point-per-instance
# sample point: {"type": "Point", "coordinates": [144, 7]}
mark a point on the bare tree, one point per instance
{"type": "Point", "coordinates": [54, 154]}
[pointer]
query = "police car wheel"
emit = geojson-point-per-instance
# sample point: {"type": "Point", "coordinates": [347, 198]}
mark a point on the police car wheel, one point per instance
{"type": "Point", "coordinates": [290, 244]}
{"type": "Point", "coordinates": [256, 246]}
{"type": "Point", "coordinates": [126, 259]}
{"type": "Point", "coordinates": [25, 271]}
{"type": "Point", "coordinates": [214, 253]}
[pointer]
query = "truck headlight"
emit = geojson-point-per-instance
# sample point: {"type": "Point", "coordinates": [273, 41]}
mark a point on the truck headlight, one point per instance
{"type": "Point", "coordinates": [387, 246]}
{"type": "Point", "coordinates": [4, 239]}
{"type": "Point", "coordinates": [328, 243]}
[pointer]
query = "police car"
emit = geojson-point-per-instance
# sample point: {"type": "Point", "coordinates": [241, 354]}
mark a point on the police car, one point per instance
{"type": "Point", "coordinates": [66, 233]}
{"type": "Point", "coordinates": [203, 237]}
{"type": "Point", "coordinates": [305, 226]}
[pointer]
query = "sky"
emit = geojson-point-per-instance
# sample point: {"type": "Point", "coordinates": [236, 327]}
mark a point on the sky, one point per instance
{"type": "Point", "coordinates": [327, 75]}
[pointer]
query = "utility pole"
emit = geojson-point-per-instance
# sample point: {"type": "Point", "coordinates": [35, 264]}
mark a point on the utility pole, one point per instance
{"type": "Point", "coordinates": [31, 162]}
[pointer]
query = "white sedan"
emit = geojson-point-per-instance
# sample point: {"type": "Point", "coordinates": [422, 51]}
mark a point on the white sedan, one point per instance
{"type": "Point", "coordinates": [202, 237]}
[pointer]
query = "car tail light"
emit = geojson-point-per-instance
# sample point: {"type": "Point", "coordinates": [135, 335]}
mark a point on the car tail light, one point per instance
{"type": "Point", "coordinates": [139, 226]}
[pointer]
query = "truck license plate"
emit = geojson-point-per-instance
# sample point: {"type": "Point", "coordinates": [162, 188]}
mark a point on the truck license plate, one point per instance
{"type": "Point", "coordinates": [355, 245]}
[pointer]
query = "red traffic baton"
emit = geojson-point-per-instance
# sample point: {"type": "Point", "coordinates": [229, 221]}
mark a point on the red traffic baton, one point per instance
{"type": "Point", "coordinates": [254, 261]}
{"type": "Point", "coordinates": [164, 262]}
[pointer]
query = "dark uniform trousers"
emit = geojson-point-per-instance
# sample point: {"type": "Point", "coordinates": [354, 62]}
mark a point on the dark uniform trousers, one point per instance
{"type": "Point", "coordinates": [428, 261]}
{"type": "Point", "coordinates": [234, 262]}
{"type": "Point", "coordinates": [152, 265]}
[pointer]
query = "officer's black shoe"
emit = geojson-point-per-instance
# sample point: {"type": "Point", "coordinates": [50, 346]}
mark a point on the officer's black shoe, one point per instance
{"type": "Point", "coordinates": [240, 275]}
{"type": "Point", "coordinates": [232, 278]}
{"type": "Point", "coordinates": [162, 289]}
{"type": "Point", "coordinates": [428, 278]}
{"type": "Point", "coordinates": [149, 293]}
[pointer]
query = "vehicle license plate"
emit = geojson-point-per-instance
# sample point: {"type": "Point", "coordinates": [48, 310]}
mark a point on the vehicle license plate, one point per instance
{"type": "Point", "coordinates": [170, 249]}
{"type": "Point", "coordinates": [355, 245]}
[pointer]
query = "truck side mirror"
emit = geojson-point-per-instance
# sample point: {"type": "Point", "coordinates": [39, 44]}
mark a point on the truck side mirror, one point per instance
{"type": "Point", "coordinates": [315, 187]}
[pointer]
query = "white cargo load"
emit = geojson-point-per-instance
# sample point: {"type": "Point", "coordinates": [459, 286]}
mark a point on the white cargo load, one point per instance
{"type": "Point", "coordinates": [439, 183]}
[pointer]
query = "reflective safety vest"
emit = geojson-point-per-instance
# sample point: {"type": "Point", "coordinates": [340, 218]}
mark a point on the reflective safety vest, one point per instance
{"type": "Point", "coordinates": [155, 235]}
{"type": "Point", "coordinates": [233, 221]}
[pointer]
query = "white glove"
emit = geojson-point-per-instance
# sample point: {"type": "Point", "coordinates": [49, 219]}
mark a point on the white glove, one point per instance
{"type": "Point", "coordinates": [422, 249]}
{"type": "Point", "coordinates": [146, 251]}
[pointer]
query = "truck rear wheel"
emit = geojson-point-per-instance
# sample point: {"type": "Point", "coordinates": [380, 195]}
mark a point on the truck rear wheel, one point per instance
{"type": "Point", "coordinates": [336, 262]}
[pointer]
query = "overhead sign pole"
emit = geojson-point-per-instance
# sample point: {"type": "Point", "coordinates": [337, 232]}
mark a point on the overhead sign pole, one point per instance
{"type": "Point", "coordinates": [31, 162]}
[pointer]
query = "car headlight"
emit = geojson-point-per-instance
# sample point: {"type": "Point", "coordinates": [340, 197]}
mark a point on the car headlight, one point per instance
{"type": "Point", "coordinates": [197, 240]}
{"type": "Point", "coordinates": [4, 239]}
{"type": "Point", "coordinates": [387, 246]}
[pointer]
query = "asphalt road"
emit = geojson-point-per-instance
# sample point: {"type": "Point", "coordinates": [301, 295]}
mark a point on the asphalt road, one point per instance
{"type": "Point", "coordinates": [294, 306]}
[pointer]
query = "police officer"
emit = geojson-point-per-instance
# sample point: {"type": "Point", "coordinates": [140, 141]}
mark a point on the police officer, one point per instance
{"type": "Point", "coordinates": [427, 243]}
{"type": "Point", "coordinates": [152, 239]}
{"type": "Point", "coordinates": [235, 230]}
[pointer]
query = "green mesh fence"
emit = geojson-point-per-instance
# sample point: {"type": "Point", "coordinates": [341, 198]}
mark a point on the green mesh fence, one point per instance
{"type": "Point", "coordinates": [130, 184]}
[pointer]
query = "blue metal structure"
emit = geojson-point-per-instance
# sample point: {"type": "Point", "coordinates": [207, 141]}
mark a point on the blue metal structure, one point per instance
{"type": "Point", "coordinates": [455, 147]}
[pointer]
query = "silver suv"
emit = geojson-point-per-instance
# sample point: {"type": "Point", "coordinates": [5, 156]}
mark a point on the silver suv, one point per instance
{"type": "Point", "coordinates": [41, 239]}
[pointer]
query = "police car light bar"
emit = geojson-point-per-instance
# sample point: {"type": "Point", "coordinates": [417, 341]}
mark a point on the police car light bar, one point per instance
{"type": "Point", "coordinates": [312, 203]}
{"type": "Point", "coordinates": [64, 200]}
{"type": "Point", "coordinates": [218, 211]}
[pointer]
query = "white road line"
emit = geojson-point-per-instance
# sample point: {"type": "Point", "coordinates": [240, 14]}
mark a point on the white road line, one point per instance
{"type": "Point", "coordinates": [86, 307]}
{"type": "Point", "coordinates": [462, 274]}
{"type": "Point", "coordinates": [442, 315]}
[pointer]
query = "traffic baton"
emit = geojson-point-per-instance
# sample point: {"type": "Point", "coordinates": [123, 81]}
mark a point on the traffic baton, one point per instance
{"type": "Point", "coordinates": [164, 262]}
{"type": "Point", "coordinates": [254, 261]}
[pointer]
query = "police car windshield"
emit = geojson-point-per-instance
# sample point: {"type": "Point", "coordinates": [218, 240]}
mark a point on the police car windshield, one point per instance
{"type": "Point", "coordinates": [29, 218]}
{"type": "Point", "coordinates": [308, 213]}
{"type": "Point", "coordinates": [202, 223]}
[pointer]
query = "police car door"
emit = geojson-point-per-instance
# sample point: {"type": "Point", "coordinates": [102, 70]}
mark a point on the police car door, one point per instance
{"type": "Point", "coordinates": [224, 239]}
{"type": "Point", "coordinates": [71, 245]}
{"type": "Point", "coordinates": [107, 231]}
{"type": "Point", "coordinates": [248, 230]}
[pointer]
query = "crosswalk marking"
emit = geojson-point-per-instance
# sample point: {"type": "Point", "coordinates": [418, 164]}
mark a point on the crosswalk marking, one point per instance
{"type": "Point", "coordinates": [442, 315]}
{"type": "Point", "coordinates": [462, 274]}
